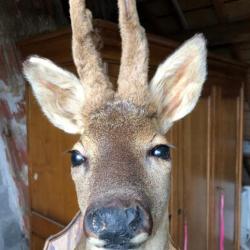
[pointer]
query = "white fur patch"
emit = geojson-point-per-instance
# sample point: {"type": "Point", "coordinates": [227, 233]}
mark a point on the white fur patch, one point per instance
{"type": "Point", "coordinates": [138, 239]}
{"type": "Point", "coordinates": [96, 242]}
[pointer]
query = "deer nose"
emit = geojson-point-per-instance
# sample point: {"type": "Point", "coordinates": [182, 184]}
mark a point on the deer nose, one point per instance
{"type": "Point", "coordinates": [118, 227]}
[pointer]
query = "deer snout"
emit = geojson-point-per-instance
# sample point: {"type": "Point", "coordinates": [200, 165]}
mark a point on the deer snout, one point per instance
{"type": "Point", "coordinates": [117, 226]}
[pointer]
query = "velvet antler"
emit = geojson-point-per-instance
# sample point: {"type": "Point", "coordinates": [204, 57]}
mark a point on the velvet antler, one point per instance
{"type": "Point", "coordinates": [133, 77]}
{"type": "Point", "coordinates": [87, 60]}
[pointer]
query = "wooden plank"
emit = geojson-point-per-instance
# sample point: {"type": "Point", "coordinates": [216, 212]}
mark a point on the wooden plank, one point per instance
{"type": "Point", "coordinates": [206, 16]}
{"type": "Point", "coordinates": [37, 243]}
{"type": "Point", "coordinates": [222, 34]}
{"type": "Point", "coordinates": [220, 10]}
{"type": "Point", "coordinates": [44, 166]}
{"type": "Point", "coordinates": [162, 7]}
{"type": "Point", "coordinates": [237, 10]}
{"type": "Point", "coordinates": [189, 5]}
{"type": "Point", "coordinates": [222, 17]}
{"type": "Point", "coordinates": [244, 46]}
{"type": "Point", "coordinates": [247, 121]}
{"type": "Point", "coordinates": [56, 46]}
{"type": "Point", "coordinates": [43, 226]}
{"type": "Point", "coordinates": [158, 8]}
{"type": "Point", "coordinates": [194, 159]}
{"type": "Point", "coordinates": [180, 14]}
{"type": "Point", "coordinates": [195, 19]}
{"type": "Point", "coordinates": [239, 165]}
{"type": "Point", "coordinates": [247, 87]}
{"type": "Point", "coordinates": [202, 18]}
{"type": "Point", "coordinates": [164, 25]}
{"type": "Point", "coordinates": [244, 55]}
{"type": "Point", "coordinates": [225, 168]}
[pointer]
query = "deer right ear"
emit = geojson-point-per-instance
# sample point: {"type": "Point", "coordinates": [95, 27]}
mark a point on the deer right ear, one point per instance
{"type": "Point", "coordinates": [177, 84]}
{"type": "Point", "coordinates": [59, 93]}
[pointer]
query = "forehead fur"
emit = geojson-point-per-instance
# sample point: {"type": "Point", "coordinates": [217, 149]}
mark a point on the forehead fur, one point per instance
{"type": "Point", "coordinates": [119, 115]}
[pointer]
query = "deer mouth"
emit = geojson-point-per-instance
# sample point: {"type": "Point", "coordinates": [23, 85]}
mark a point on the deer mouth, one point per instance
{"type": "Point", "coordinates": [121, 247]}
{"type": "Point", "coordinates": [117, 241]}
{"type": "Point", "coordinates": [118, 244]}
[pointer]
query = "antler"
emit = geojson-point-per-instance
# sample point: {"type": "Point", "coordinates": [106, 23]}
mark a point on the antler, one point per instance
{"type": "Point", "coordinates": [87, 60]}
{"type": "Point", "coordinates": [133, 76]}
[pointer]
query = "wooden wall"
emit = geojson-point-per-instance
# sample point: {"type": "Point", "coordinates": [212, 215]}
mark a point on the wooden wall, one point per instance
{"type": "Point", "coordinates": [247, 121]}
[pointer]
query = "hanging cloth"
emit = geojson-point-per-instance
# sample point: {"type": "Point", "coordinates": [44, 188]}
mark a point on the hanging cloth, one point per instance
{"type": "Point", "coordinates": [69, 238]}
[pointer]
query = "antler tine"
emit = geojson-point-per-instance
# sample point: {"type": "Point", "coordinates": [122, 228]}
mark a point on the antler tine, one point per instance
{"type": "Point", "coordinates": [133, 76]}
{"type": "Point", "coordinates": [87, 60]}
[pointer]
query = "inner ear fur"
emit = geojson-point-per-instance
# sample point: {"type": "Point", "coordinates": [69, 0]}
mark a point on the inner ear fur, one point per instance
{"type": "Point", "coordinates": [177, 83]}
{"type": "Point", "coordinates": [59, 93]}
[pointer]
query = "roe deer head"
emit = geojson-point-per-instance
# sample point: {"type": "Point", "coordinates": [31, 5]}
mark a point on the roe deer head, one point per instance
{"type": "Point", "coordinates": [121, 164]}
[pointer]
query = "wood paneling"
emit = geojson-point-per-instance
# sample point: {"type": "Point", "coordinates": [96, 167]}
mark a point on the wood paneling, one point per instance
{"type": "Point", "coordinates": [191, 166]}
{"type": "Point", "coordinates": [206, 160]}
{"type": "Point", "coordinates": [227, 163]}
{"type": "Point", "coordinates": [194, 146]}
{"type": "Point", "coordinates": [37, 242]}
{"type": "Point", "coordinates": [247, 121]}
{"type": "Point", "coordinates": [50, 171]}
{"type": "Point", "coordinates": [43, 226]}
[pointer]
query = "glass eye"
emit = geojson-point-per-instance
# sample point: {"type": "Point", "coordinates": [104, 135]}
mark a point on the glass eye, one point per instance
{"type": "Point", "coordinates": [77, 158]}
{"type": "Point", "coordinates": [161, 151]}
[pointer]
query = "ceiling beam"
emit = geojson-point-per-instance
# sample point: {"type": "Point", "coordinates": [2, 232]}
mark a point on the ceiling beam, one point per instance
{"type": "Point", "coordinates": [220, 10]}
{"type": "Point", "coordinates": [219, 7]}
{"type": "Point", "coordinates": [180, 14]}
{"type": "Point", "coordinates": [222, 34]}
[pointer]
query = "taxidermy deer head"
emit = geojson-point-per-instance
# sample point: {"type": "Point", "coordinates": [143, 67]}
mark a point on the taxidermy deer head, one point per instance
{"type": "Point", "coordinates": [121, 164]}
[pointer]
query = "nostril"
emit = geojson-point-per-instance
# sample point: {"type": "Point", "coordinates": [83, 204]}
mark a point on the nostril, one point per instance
{"type": "Point", "coordinates": [134, 218]}
{"type": "Point", "coordinates": [97, 222]}
{"type": "Point", "coordinates": [131, 213]}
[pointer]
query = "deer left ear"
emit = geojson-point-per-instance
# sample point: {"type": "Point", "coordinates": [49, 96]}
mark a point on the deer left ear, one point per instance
{"type": "Point", "coordinates": [59, 93]}
{"type": "Point", "coordinates": [177, 84]}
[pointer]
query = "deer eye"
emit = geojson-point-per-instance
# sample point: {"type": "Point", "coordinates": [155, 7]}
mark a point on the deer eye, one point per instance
{"type": "Point", "coordinates": [77, 158]}
{"type": "Point", "coordinates": [160, 151]}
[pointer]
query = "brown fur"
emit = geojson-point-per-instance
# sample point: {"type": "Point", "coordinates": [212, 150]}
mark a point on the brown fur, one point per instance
{"type": "Point", "coordinates": [118, 129]}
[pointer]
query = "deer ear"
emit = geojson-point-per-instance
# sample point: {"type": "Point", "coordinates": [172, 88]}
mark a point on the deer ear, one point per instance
{"type": "Point", "coordinates": [59, 93]}
{"type": "Point", "coordinates": [177, 84]}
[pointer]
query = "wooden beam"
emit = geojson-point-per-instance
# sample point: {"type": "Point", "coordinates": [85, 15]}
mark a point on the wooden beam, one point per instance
{"type": "Point", "coordinates": [248, 89]}
{"type": "Point", "coordinates": [222, 34]}
{"type": "Point", "coordinates": [180, 14]}
{"type": "Point", "coordinates": [223, 19]}
{"type": "Point", "coordinates": [220, 10]}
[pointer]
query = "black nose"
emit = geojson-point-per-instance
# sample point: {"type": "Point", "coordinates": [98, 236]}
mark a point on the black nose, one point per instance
{"type": "Point", "coordinates": [117, 225]}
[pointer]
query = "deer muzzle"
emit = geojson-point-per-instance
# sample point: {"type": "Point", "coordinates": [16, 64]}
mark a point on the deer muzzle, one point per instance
{"type": "Point", "coordinates": [118, 225]}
